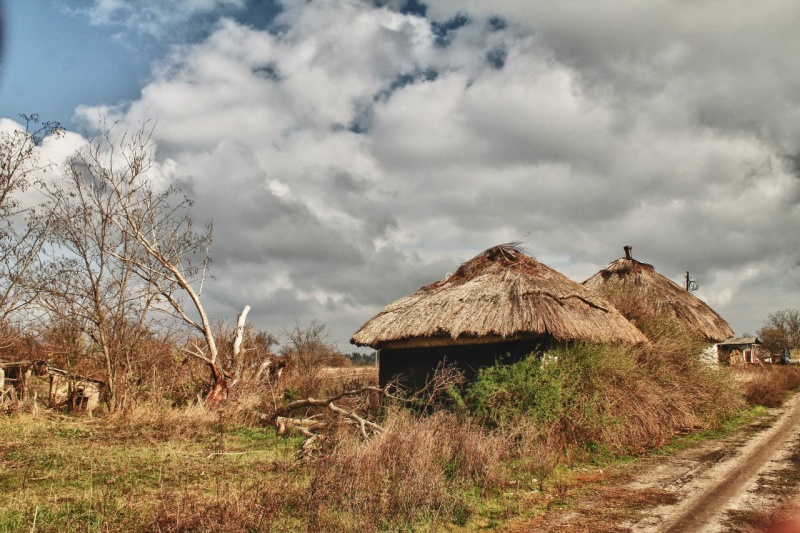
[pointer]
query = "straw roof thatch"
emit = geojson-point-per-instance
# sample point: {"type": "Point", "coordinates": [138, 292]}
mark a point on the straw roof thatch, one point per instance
{"type": "Point", "coordinates": [500, 295]}
{"type": "Point", "coordinates": [635, 288]}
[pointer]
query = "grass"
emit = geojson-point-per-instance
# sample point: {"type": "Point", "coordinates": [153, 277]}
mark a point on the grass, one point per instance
{"type": "Point", "coordinates": [149, 474]}
{"type": "Point", "coordinates": [732, 424]}
{"type": "Point", "coordinates": [767, 385]}
{"type": "Point", "coordinates": [104, 475]}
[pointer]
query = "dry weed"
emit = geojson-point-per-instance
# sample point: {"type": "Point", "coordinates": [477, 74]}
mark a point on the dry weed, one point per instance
{"type": "Point", "coordinates": [536, 453]}
{"type": "Point", "coordinates": [415, 472]}
{"type": "Point", "coordinates": [665, 392]}
{"type": "Point", "coordinates": [767, 384]}
{"type": "Point", "coordinates": [160, 424]}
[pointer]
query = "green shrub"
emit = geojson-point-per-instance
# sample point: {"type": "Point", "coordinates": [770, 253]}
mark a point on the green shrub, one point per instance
{"type": "Point", "coordinates": [503, 394]}
{"type": "Point", "coordinates": [562, 386]}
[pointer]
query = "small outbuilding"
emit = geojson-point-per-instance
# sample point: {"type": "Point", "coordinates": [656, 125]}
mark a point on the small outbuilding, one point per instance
{"type": "Point", "coordinates": [502, 303]}
{"type": "Point", "coordinates": [74, 392]}
{"type": "Point", "coordinates": [740, 350]}
{"type": "Point", "coordinates": [637, 290]}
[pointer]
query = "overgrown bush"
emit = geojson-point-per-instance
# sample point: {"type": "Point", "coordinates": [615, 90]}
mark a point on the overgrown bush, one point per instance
{"type": "Point", "coordinates": [531, 388]}
{"type": "Point", "coordinates": [606, 397]}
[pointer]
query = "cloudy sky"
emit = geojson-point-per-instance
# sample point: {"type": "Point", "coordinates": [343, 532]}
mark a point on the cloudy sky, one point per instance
{"type": "Point", "coordinates": [350, 152]}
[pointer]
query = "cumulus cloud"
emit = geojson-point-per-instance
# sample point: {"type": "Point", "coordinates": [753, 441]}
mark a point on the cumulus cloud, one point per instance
{"type": "Point", "coordinates": [353, 152]}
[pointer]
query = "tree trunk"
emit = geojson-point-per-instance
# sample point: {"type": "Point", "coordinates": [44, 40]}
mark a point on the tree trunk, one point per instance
{"type": "Point", "coordinates": [219, 389]}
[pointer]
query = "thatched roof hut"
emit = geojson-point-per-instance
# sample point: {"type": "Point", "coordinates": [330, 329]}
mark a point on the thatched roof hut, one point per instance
{"type": "Point", "coordinates": [637, 290]}
{"type": "Point", "coordinates": [501, 301]}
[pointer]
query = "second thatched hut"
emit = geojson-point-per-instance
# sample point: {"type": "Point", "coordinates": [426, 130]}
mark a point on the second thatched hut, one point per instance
{"type": "Point", "coordinates": [640, 293]}
{"type": "Point", "coordinates": [502, 302]}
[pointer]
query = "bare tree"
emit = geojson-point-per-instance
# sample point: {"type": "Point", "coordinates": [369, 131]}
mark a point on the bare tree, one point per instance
{"type": "Point", "coordinates": [22, 232]}
{"type": "Point", "coordinates": [310, 349]}
{"type": "Point", "coordinates": [155, 239]}
{"type": "Point", "coordinates": [84, 280]}
{"type": "Point", "coordinates": [781, 330]}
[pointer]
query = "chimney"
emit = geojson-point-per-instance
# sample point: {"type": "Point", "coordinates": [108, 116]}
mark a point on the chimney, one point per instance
{"type": "Point", "coordinates": [628, 249]}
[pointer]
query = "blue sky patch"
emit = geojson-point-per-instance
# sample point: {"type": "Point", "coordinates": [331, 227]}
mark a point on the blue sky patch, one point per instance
{"type": "Point", "coordinates": [414, 7]}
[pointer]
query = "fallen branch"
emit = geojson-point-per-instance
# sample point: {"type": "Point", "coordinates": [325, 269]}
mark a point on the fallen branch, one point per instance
{"type": "Point", "coordinates": [284, 418]}
{"type": "Point", "coordinates": [312, 426]}
{"type": "Point", "coordinates": [325, 402]}
{"type": "Point", "coordinates": [363, 423]}
{"type": "Point", "coordinates": [305, 426]}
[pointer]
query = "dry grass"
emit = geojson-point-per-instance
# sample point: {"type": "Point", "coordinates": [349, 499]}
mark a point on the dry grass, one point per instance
{"type": "Point", "coordinates": [144, 472]}
{"type": "Point", "coordinates": [767, 385]}
{"type": "Point", "coordinates": [604, 510]}
{"type": "Point", "coordinates": [665, 392]}
{"type": "Point", "coordinates": [416, 474]}
{"type": "Point", "coordinates": [279, 505]}
{"type": "Point", "coordinates": [537, 453]}
{"type": "Point", "coordinates": [433, 469]}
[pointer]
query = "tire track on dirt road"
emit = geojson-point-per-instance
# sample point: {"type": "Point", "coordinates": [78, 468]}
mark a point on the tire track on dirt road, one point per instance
{"type": "Point", "coordinates": [706, 496]}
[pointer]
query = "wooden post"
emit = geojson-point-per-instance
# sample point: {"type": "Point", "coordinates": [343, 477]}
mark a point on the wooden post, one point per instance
{"type": "Point", "coordinates": [24, 375]}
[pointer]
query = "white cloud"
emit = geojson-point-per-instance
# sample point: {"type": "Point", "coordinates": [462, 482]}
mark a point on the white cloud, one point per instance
{"type": "Point", "coordinates": [349, 157]}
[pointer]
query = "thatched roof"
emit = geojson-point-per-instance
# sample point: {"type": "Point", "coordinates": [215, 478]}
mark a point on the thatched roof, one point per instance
{"type": "Point", "coordinates": [500, 295]}
{"type": "Point", "coordinates": [633, 287]}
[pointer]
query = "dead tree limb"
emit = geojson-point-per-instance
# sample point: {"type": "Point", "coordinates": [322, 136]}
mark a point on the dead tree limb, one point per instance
{"type": "Point", "coordinates": [286, 417]}
{"type": "Point", "coordinates": [304, 426]}
{"type": "Point", "coordinates": [311, 426]}
{"type": "Point", "coordinates": [324, 402]}
{"type": "Point", "coordinates": [237, 346]}
{"type": "Point", "coordinates": [363, 423]}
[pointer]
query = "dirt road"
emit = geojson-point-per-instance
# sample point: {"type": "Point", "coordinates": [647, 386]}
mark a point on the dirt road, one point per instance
{"type": "Point", "coordinates": [719, 485]}
{"type": "Point", "coordinates": [723, 485]}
